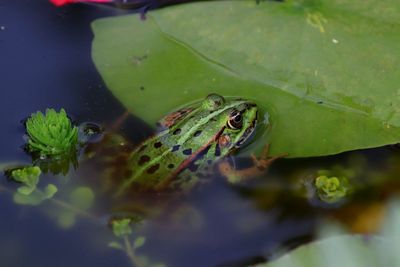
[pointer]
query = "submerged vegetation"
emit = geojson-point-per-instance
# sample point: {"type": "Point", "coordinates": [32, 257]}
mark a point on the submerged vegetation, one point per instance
{"type": "Point", "coordinates": [51, 134]}
{"type": "Point", "coordinates": [332, 189]}
{"type": "Point", "coordinates": [28, 176]}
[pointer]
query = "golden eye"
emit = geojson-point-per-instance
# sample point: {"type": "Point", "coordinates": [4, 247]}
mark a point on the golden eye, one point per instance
{"type": "Point", "coordinates": [235, 121]}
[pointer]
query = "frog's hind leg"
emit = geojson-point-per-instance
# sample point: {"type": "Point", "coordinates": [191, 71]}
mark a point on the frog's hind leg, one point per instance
{"type": "Point", "coordinates": [259, 167]}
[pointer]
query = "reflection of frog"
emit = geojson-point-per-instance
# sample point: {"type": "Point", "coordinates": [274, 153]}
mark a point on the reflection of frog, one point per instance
{"type": "Point", "coordinates": [193, 141]}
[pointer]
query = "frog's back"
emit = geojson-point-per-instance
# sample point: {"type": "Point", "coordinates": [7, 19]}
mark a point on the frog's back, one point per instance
{"type": "Point", "coordinates": [192, 140]}
{"type": "Point", "coordinates": [152, 162]}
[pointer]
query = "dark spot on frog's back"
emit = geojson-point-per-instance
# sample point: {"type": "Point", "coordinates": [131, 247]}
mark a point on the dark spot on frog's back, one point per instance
{"type": "Point", "coordinates": [197, 133]}
{"type": "Point", "coordinates": [157, 144]}
{"type": "Point", "coordinates": [171, 166]}
{"type": "Point", "coordinates": [193, 167]}
{"type": "Point", "coordinates": [143, 159]}
{"type": "Point", "coordinates": [187, 151]}
{"type": "Point", "coordinates": [153, 169]}
{"type": "Point", "coordinates": [177, 131]}
{"type": "Point", "coordinates": [175, 148]}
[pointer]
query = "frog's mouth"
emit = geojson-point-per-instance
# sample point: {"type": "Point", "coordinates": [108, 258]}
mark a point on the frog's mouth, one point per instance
{"type": "Point", "coordinates": [244, 140]}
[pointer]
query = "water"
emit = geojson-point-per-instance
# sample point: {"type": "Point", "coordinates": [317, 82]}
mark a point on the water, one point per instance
{"type": "Point", "coordinates": [45, 62]}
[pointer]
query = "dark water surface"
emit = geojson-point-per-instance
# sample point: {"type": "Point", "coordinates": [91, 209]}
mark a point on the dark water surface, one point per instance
{"type": "Point", "coordinates": [45, 62]}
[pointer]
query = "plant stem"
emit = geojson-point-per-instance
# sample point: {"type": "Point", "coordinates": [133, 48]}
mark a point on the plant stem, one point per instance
{"type": "Point", "coordinates": [60, 203]}
{"type": "Point", "coordinates": [74, 209]}
{"type": "Point", "coordinates": [131, 253]}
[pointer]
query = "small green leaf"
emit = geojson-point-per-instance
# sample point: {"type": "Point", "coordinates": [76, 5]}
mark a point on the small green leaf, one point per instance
{"type": "Point", "coordinates": [26, 196]}
{"type": "Point", "coordinates": [82, 197]}
{"type": "Point", "coordinates": [116, 245]}
{"type": "Point", "coordinates": [139, 242]}
{"type": "Point", "coordinates": [33, 199]}
{"type": "Point", "coordinates": [50, 191]}
{"type": "Point", "coordinates": [25, 190]}
{"type": "Point", "coordinates": [66, 219]}
{"type": "Point", "coordinates": [29, 176]}
{"type": "Point", "coordinates": [121, 227]}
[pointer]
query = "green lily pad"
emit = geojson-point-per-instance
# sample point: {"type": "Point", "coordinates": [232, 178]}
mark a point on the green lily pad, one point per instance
{"type": "Point", "coordinates": [326, 71]}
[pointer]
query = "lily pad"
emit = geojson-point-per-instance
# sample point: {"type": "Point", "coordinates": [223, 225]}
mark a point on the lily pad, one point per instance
{"type": "Point", "coordinates": [325, 71]}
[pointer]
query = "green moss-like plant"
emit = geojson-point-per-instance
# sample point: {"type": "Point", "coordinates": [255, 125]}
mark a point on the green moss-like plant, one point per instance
{"type": "Point", "coordinates": [28, 176]}
{"type": "Point", "coordinates": [51, 134]}
{"type": "Point", "coordinates": [36, 197]}
{"type": "Point", "coordinates": [121, 227]}
{"type": "Point", "coordinates": [331, 189]}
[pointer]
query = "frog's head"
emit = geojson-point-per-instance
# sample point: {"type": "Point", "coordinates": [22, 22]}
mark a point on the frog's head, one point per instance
{"type": "Point", "coordinates": [233, 120]}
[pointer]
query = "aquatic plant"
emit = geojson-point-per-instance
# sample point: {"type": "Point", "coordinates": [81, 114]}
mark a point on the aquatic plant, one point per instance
{"type": "Point", "coordinates": [331, 189]}
{"type": "Point", "coordinates": [28, 193]}
{"type": "Point", "coordinates": [121, 227]}
{"type": "Point", "coordinates": [79, 202]}
{"type": "Point", "coordinates": [51, 134]}
{"type": "Point", "coordinates": [36, 197]}
{"type": "Point", "coordinates": [28, 176]}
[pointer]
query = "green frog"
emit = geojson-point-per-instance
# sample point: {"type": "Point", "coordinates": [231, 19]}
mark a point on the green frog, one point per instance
{"type": "Point", "coordinates": [192, 142]}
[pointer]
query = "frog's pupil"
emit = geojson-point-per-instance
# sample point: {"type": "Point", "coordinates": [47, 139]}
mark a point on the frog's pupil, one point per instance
{"type": "Point", "coordinates": [238, 118]}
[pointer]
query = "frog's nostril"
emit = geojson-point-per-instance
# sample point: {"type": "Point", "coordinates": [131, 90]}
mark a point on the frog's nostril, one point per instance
{"type": "Point", "coordinates": [251, 105]}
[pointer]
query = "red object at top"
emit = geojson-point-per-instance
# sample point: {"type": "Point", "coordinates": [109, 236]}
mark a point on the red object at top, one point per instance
{"type": "Point", "coordinates": [64, 2]}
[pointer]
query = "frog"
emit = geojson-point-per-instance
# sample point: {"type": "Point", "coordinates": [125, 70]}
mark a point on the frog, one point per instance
{"type": "Point", "coordinates": [194, 141]}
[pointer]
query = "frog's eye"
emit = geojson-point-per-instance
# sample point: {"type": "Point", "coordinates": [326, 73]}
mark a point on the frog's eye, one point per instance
{"type": "Point", "coordinates": [213, 102]}
{"type": "Point", "coordinates": [235, 121]}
